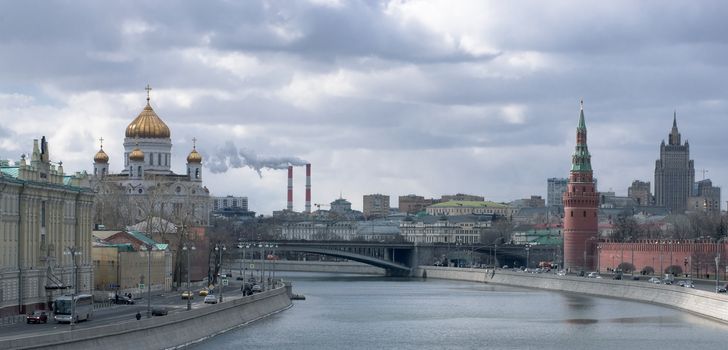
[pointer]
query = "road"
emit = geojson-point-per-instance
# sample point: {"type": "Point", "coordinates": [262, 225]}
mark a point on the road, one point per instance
{"type": "Point", "coordinates": [112, 313]}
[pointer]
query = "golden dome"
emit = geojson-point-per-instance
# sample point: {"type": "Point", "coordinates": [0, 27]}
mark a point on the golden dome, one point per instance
{"type": "Point", "coordinates": [194, 157]}
{"type": "Point", "coordinates": [147, 125]}
{"type": "Point", "coordinates": [137, 155]}
{"type": "Point", "coordinates": [101, 156]}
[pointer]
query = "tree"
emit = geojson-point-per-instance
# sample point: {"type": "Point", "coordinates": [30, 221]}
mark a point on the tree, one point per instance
{"type": "Point", "coordinates": [625, 228]}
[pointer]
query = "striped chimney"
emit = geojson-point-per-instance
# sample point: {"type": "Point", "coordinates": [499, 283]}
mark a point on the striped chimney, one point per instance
{"type": "Point", "coordinates": [308, 188]}
{"type": "Point", "coordinates": [290, 187]}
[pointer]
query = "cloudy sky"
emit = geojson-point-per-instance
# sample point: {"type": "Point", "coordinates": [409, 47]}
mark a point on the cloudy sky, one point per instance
{"type": "Point", "coordinates": [393, 97]}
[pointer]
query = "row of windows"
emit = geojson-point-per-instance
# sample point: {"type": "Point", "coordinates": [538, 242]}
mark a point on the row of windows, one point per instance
{"type": "Point", "coordinates": [584, 214]}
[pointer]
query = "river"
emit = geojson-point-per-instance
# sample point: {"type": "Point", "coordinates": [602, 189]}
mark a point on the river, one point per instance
{"type": "Point", "coordinates": [370, 312]}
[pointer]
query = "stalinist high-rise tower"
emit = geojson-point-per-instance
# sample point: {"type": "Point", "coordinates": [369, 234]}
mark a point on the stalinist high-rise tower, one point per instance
{"type": "Point", "coordinates": [580, 206]}
{"type": "Point", "coordinates": [674, 172]}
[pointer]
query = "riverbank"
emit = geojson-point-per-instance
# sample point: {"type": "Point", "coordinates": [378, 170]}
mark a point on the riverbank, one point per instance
{"type": "Point", "coordinates": [706, 304]}
{"type": "Point", "coordinates": [164, 332]}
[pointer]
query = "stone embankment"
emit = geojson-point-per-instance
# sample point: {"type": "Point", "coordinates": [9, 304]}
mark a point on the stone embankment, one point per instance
{"type": "Point", "coordinates": [310, 266]}
{"type": "Point", "coordinates": [164, 332]}
{"type": "Point", "coordinates": [702, 303]}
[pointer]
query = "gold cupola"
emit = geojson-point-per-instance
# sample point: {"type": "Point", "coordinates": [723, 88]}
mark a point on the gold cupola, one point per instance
{"type": "Point", "coordinates": [147, 124]}
{"type": "Point", "coordinates": [101, 156]}
{"type": "Point", "coordinates": [136, 155]}
{"type": "Point", "coordinates": [194, 156]}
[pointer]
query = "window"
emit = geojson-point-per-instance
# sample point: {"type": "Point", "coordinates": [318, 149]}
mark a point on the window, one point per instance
{"type": "Point", "coordinates": [572, 213]}
{"type": "Point", "coordinates": [584, 213]}
{"type": "Point", "coordinates": [151, 158]}
{"type": "Point", "coordinates": [159, 159]}
{"type": "Point", "coordinates": [139, 170]}
{"type": "Point", "coordinates": [197, 173]}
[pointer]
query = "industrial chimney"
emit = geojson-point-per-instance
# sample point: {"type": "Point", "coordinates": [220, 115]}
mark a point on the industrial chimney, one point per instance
{"type": "Point", "coordinates": [290, 187]}
{"type": "Point", "coordinates": [308, 188]}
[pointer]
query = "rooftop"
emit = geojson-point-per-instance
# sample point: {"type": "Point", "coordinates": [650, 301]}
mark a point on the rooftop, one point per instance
{"type": "Point", "coordinates": [471, 204]}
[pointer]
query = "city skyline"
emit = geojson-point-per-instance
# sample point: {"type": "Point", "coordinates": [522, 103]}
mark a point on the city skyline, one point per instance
{"type": "Point", "coordinates": [403, 97]}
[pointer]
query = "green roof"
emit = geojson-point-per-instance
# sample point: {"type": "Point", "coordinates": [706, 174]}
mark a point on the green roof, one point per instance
{"type": "Point", "coordinates": [148, 241]}
{"type": "Point", "coordinates": [476, 204]}
{"type": "Point", "coordinates": [10, 171]}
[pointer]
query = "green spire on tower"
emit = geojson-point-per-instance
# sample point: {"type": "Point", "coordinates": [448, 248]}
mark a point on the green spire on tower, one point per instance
{"type": "Point", "coordinates": [581, 160]}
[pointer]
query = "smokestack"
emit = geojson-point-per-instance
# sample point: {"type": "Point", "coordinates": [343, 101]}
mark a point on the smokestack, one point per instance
{"type": "Point", "coordinates": [308, 187]}
{"type": "Point", "coordinates": [290, 187]}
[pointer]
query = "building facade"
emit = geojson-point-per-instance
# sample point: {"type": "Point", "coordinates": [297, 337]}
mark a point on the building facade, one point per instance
{"type": "Point", "coordinates": [413, 204]}
{"type": "Point", "coordinates": [146, 186]}
{"type": "Point", "coordinates": [230, 202]}
{"type": "Point", "coordinates": [555, 192]}
{"type": "Point", "coordinates": [465, 229]}
{"type": "Point", "coordinates": [640, 192]}
{"type": "Point", "coordinates": [706, 198]}
{"type": "Point", "coordinates": [375, 206]}
{"type": "Point", "coordinates": [46, 218]}
{"type": "Point", "coordinates": [580, 206]}
{"type": "Point", "coordinates": [674, 173]}
{"type": "Point", "coordinates": [453, 208]}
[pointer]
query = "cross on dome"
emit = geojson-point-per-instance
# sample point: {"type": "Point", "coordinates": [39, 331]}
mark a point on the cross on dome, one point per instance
{"type": "Point", "coordinates": [148, 88]}
{"type": "Point", "coordinates": [101, 140]}
{"type": "Point", "coordinates": [194, 142]}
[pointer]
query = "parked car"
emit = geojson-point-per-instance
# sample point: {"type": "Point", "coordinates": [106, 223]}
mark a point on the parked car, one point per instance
{"type": "Point", "coordinates": [211, 299]}
{"type": "Point", "coordinates": [723, 289]}
{"type": "Point", "coordinates": [617, 276]}
{"type": "Point", "coordinates": [561, 273]}
{"type": "Point", "coordinates": [203, 292]}
{"type": "Point", "coordinates": [582, 273]}
{"type": "Point", "coordinates": [654, 280]}
{"type": "Point", "coordinates": [256, 288]}
{"type": "Point", "coordinates": [159, 311]}
{"type": "Point", "coordinates": [37, 316]}
{"type": "Point", "coordinates": [187, 295]}
{"type": "Point", "coordinates": [593, 275]}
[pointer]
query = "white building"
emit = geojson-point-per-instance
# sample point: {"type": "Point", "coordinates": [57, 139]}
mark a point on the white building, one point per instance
{"type": "Point", "coordinates": [466, 229]}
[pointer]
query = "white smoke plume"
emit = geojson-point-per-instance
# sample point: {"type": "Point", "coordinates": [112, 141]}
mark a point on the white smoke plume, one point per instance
{"type": "Point", "coordinates": [228, 156]}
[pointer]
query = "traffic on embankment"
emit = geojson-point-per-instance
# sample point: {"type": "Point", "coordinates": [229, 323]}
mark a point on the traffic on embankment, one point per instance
{"type": "Point", "coordinates": [703, 303]}
{"type": "Point", "coordinates": [174, 330]}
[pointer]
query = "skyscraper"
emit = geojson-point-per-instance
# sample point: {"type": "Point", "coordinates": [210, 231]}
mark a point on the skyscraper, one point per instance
{"type": "Point", "coordinates": [674, 173]}
{"type": "Point", "coordinates": [580, 206]}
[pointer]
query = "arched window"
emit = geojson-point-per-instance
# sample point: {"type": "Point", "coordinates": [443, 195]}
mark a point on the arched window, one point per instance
{"type": "Point", "coordinates": [103, 171]}
{"type": "Point", "coordinates": [584, 213]}
{"type": "Point", "coordinates": [131, 171]}
{"type": "Point", "coordinates": [139, 170]}
{"type": "Point", "coordinates": [197, 173]}
{"type": "Point", "coordinates": [95, 171]}
{"type": "Point", "coordinates": [572, 213]}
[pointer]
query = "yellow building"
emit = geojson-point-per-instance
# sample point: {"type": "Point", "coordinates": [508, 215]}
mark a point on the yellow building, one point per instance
{"type": "Point", "coordinates": [45, 226]}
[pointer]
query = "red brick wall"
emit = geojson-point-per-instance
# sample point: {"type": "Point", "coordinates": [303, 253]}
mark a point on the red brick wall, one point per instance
{"type": "Point", "coordinates": [695, 258]}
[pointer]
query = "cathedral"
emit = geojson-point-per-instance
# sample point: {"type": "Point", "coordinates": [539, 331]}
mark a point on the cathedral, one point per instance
{"type": "Point", "coordinates": [146, 189]}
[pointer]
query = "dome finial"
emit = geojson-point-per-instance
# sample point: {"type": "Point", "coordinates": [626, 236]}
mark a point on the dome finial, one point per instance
{"type": "Point", "coordinates": [148, 88]}
{"type": "Point", "coordinates": [194, 142]}
{"type": "Point", "coordinates": [101, 141]}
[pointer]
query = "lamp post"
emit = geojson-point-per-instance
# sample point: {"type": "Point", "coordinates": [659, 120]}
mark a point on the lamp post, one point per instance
{"type": "Point", "coordinates": [528, 254]}
{"type": "Point", "coordinates": [221, 249]}
{"type": "Point", "coordinates": [188, 249]}
{"type": "Point", "coordinates": [717, 261]}
{"type": "Point", "coordinates": [599, 250]}
{"type": "Point", "coordinates": [73, 252]}
{"type": "Point", "coordinates": [149, 249]}
{"type": "Point", "coordinates": [275, 246]}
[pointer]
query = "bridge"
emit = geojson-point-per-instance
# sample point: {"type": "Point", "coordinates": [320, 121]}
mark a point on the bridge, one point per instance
{"type": "Point", "coordinates": [399, 259]}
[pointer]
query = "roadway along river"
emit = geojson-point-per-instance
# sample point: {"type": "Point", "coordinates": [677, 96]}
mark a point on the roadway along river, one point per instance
{"type": "Point", "coordinates": [365, 312]}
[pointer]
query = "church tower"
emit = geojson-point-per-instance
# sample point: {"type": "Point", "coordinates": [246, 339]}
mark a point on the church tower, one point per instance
{"type": "Point", "coordinates": [101, 162]}
{"type": "Point", "coordinates": [194, 163]}
{"type": "Point", "coordinates": [580, 206]}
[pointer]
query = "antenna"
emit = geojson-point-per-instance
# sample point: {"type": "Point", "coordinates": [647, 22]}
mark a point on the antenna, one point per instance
{"type": "Point", "coordinates": [704, 171]}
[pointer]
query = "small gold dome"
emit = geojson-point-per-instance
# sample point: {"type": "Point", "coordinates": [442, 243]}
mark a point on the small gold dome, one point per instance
{"type": "Point", "coordinates": [101, 157]}
{"type": "Point", "coordinates": [136, 155]}
{"type": "Point", "coordinates": [194, 157]}
{"type": "Point", "coordinates": [147, 125]}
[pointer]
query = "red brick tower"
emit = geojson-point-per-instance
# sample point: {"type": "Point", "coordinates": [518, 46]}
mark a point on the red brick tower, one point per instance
{"type": "Point", "coordinates": [580, 206]}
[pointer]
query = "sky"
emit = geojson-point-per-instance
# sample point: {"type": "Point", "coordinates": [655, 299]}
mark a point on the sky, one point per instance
{"type": "Point", "coordinates": [392, 97]}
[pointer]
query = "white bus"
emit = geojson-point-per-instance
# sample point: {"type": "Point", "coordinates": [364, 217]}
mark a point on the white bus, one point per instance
{"type": "Point", "coordinates": [63, 308]}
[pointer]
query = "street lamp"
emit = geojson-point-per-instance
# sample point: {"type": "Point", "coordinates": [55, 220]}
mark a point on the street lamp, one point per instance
{"type": "Point", "coordinates": [221, 249]}
{"type": "Point", "coordinates": [149, 250]}
{"type": "Point", "coordinates": [528, 254]}
{"type": "Point", "coordinates": [73, 252]}
{"type": "Point", "coordinates": [188, 249]}
{"type": "Point", "coordinates": [717, 261]}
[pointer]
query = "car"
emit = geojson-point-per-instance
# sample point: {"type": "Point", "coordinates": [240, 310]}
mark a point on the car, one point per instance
{"type": "Point", "coordinates": [187, 295]}
{"type": "Point", "coordinates": [506, 267]}
{"type": "Point", "coordinates": [561, 273]}
{"type": "Point", "coordinates": [159, 311]}
{"type": "Point", "coordinates": [203, 292]}
{"type": "Point", "coordinates": [593, 275]}
{"type": "Point", "coordinates": [667, 281]}
{"type": "Point", "coordinates": [654, 280]}
{"type": "Point", "coordinates": [210, 299]}
{"type": "Point", "coordinates": [240, 278]}
{"type": "Point", "coordinates": [122, 299]}
{"type": "Point", "coordinates": [582, 273]}
{"type": "Point", "coordinates": [720, 290]}
{"type": "Point", "coordinates": [37, 316]}
{"type": "Point", "coordinates": [256, 288]}
{"type": "Point", "coordinates": [617, 276]}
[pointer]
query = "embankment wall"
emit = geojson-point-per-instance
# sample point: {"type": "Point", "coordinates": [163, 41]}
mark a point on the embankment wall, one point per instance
{"type": "Point", "coordinates": [702, 303]}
